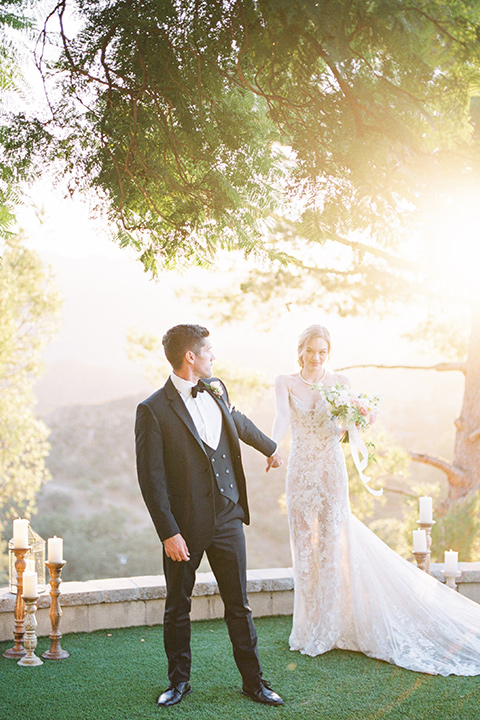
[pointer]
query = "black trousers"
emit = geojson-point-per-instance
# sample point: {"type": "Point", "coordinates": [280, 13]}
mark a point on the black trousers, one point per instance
{"type": "Point", "coordinates": [227, 558]}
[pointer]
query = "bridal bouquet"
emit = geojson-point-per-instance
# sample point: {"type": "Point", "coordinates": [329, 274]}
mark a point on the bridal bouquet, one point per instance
{"type": "Point", "coordinates": [354, 412]}
{"type": "Point", "coordinates": [350, 408]}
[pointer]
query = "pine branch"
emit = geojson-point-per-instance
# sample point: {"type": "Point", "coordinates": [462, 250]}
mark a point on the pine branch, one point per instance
{"type": "Point", "coordinates": [440, 367]}
{"type": "Point", "coordinates": [399, 491]}
{"type": "Point", "coordinates": [440, 26]}
{"type": "Point", "coordinates": [437, 462]}
{"type": "Point", "coordinates": [474, 435]}
{"type": "Point", "coordinates": [394, 260]}
{"type": "Point", "coordinates": [377, 252]}
{"type": "Point", "coordinates": [455, 475]}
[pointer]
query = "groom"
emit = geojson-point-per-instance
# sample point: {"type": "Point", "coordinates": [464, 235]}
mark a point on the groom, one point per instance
{"type": "Point", "coordinates": [192, 480]}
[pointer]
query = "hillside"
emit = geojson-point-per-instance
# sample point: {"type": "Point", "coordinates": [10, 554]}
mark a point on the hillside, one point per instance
{"type": "Point", "coordinates": [94, 501]}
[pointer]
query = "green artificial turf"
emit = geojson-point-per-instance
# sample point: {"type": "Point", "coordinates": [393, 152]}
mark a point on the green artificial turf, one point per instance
{"type": "Point", "coordinates": [118, 674]}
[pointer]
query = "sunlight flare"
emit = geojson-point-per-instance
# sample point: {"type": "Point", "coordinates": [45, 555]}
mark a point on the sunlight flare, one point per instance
{"type": "Point", "coordinates": [454, 257]}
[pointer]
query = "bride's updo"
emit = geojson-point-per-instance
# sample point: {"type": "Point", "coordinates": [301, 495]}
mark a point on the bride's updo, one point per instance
{"type": "Point", "coordinates": [312, 331]}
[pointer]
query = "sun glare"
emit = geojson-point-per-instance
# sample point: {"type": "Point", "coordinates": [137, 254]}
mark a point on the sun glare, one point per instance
{"type": "Point", "coordinates": [453, 256]}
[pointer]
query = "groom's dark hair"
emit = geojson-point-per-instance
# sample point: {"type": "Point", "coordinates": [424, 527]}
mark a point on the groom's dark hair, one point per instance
{"type": "Point", "coordinates": [181, 338]}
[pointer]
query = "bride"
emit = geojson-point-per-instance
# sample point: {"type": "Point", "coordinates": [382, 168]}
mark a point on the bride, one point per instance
{"type": "Point", "coordinates": [351, 590]}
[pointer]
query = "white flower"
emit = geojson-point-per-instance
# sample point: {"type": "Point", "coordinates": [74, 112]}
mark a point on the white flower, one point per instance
{"type": "Point", "coordinates": [350, 408]}
{"type": "Point", "coordinates": [216, 387]}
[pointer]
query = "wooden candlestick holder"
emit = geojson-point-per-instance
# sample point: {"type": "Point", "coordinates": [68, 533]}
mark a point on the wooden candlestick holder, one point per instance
{"type": "Point", "coordinates": [18, 651]}
{"type": "Point", "coordinates": [30, 640]}
{"type": "Point", "coordinates": [421, 558]}
{"type": "Point", "coordinates": [55, 652]}
{"type": "Point", "coordinates": [428, 532]}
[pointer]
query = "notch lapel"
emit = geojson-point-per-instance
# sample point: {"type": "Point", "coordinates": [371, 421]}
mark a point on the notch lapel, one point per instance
{"type": "Point", "coordinates": [178, 406]}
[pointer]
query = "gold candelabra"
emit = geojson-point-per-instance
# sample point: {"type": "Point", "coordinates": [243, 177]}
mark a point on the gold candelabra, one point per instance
{"type": "Point", "coordinates": [18, 651]}
{"type": "Point", "coordinates": [55, 652]}
{"type": "Point", "coordinates": [30, 640]}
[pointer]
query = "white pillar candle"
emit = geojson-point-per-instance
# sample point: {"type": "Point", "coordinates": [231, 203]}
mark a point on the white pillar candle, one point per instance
{"type": "Point", "coordinates": [30, 584]}
{"type": "Point", "coordinates": [419, 541]}
{"type": "Point", "coordinates": [451, 561]}
{"type": "Point", "coordinates": [20, 533]}
{"type": "Point", "coordinates": [55, 549]}
{"type": "Point", "coordinates": [426, 510]}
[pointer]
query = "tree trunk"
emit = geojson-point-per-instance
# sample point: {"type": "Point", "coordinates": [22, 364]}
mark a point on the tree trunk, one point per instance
{"type": "Point", "coordinates": [463, 473]}
{"type": "Point", "coordinates": [466, 460]}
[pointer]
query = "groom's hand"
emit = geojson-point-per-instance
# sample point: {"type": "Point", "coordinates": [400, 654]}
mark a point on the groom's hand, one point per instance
{"type": "Point", "coordinates": [274, 461]}
{"type": "Point", "coordinates": [176, 548]}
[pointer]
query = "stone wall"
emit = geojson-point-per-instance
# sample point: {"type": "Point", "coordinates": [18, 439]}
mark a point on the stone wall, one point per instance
{"type": "Point", "coordinates": [126, 602]}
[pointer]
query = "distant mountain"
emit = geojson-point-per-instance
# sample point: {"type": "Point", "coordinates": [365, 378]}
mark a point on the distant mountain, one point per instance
{"type": "Point", "coordinates": [69, 383]}
{"type": "Point", "coordinates": [93, 500]}
{"type": "Point", "coordinates": [92, 456]}
{"type": "Point", "coordinates": [92, 463]}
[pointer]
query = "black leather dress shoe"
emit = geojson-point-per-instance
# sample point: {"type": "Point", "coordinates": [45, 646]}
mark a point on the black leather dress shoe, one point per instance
{"type": "Point", "coordinates": [263, 693]}
{"type": "Point", "coordinates": [174, 694]}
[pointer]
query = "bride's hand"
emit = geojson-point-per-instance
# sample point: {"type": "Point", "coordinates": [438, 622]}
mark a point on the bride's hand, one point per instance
{"type": "Point", "coordinates": [274, 461]}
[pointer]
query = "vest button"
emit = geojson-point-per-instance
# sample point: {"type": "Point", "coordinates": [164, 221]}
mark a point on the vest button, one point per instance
{"type": "Point", "coordinates": [227, 470]}
{"type": "Point", "coordinates": [222, 490]}
{"type": "Point", "coordinates": [213, 459]}
{"type": "Point", "coordinates": [224, 456]}
{"type": "Point", "coordinates": [231, 485]}
{"type": "Point", "coordinates": [217, 474]}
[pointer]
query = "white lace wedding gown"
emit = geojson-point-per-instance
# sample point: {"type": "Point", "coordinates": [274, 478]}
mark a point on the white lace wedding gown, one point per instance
{"type": "Point", "coordinates": [351, 590]}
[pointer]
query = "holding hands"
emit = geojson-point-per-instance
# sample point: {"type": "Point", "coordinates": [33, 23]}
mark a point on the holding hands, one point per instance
{"type": "Point", "coordinates": [274, 461]}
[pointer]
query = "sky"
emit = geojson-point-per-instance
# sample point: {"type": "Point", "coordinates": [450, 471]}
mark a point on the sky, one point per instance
{"type": "Point", "coordinates": [106, 293]}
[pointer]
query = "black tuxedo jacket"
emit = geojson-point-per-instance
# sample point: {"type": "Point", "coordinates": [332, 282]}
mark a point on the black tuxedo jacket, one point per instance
{"type": "Point", "coordinates": [174, 471]}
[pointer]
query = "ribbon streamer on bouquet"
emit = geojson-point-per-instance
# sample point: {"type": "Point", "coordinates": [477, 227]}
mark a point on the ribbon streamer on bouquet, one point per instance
{"type": "Point", "coordinates": [360, 457]}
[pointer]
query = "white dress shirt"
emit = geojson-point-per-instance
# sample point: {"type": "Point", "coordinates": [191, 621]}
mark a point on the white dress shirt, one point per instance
{"type": "Point", "coordinates": [203, 409]}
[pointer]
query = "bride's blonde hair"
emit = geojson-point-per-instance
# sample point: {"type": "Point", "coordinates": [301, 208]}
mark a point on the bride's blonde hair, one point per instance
{"type": "Point", "coordinates": [312, 331]}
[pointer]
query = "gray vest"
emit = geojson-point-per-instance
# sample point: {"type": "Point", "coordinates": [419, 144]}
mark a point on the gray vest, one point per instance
{"type": "Point", "coordinates": [222, 467]}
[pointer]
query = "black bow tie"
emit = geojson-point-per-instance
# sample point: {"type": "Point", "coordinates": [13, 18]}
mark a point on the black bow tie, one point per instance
{"type": "Point", "coordinates": [199, 387]}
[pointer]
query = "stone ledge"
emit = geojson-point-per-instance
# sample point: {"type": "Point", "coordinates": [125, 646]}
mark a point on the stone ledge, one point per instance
{"type": "Point", "coordinates": [470, 572]}
{"type": "Point", "coordinates": [127, 602]}
{"type": "Point", "coordinates": [148, 587]}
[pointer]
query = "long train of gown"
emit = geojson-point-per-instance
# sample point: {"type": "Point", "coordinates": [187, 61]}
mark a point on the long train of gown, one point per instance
{"type": "Point", "coordinates": [351, 590]}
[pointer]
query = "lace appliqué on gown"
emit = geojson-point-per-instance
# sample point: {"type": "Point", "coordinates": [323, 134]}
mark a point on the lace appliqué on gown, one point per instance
{"type": "Point", "coordinates": [351, 590]}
